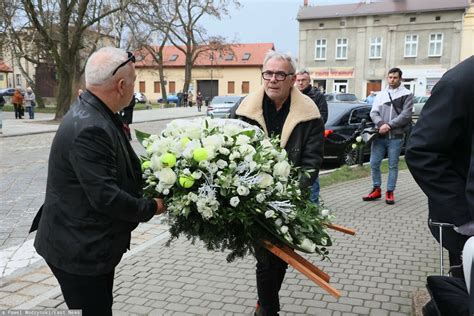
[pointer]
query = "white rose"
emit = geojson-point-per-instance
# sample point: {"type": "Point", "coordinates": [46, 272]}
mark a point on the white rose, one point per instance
{"type": "Point", "coordinates": [166, 191]}
{"type": "Point", "coordinates": [325, 212]}
{"type": "Point", "coordinates": [269, 214]}
{"type": "Point", "coordinates": [242, 139]}
{"type": "Point", "coordinates": [197, 174]}
{"type": "Point", "coordinates": [354, 146]}
{"type": "Point", "coordinates": [308, 245]}
{"type": "Point", "coordinates": [359, 139]}
{"type": "Point", "coordinates": [224, 151]}
{"type": "Point", "coordinates": [281, 169]}
{"type": "Point", "coordinates": [278, 222]}
{"type": "Point", "coordinates": [243, 191]}
{"type": "Point", "coordinates": [284, 229]}
{"type": "Point", "coordinates": [167, 176]}
{"type": "Point", "coordinates": [266, 180]}
{"type": "Point", "coordinates": [234, 201]}
{"type": "Point", "coordinates": [221, 164]}
{"type": "Point", "coordinates": [260, 197]}
{"type": "Point", "coordinates": [213, 141]}
{"type": "Point", "coordinates": [281, 155]}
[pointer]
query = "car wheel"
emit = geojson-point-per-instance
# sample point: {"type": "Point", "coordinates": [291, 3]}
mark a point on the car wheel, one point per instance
{"type": "Point", "coordinates": [349, 156]}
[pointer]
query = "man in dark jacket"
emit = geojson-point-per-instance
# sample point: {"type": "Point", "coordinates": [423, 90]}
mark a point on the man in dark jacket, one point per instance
{"type": "Point", "coordinates": [93, 195]}
{"type": "Point", "coordinates": [280, 109]}
{"type": "Point", "coordinates": [440, 154]}
{"type": "Point", "coordinates": [303, 83]}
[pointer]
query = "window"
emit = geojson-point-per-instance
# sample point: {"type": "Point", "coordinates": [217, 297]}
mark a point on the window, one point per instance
{"type": "Point", "coordinates": [342, 23]}
{"type": "Point", "coordinates": [246, 56]}
{"type": "Point", "coordinates": [18, 79]}
{"type": "Point", "coordinates": [172, 87]}
{"type": "Point", "coordinates": [320, 49]}
{"type": "Point", "coordinates": [358, 115]}
{"type": "Point", "coordinates": [436, 45]}
{"type": "Point", "coordinates": [411, 45]}
{"type": "Point", "coordinates": [412, 19]}
{"type": "Point", "coordinates": [340, 86]}
{"type": "Point", "coordinates": [230, 87]}
{"type": "Point", "coordinates": [375, 47]}
{"type": "Point", "coordinates": [173, 57]}
{"type": "Point", "coordinates": [245, 86]}
{"type": "Point", "coordinates": [321, 24]}
{"type": "Point", "coordinates": [229, 56]}
{"type": "Point", "coordinates": [157, 87]}
{"type": "Point", "coordinates": [1, 77]}
{"type": "Point", "coordinates": [341, 48]}
{"type": "Point", "coordinates": [437, 18]}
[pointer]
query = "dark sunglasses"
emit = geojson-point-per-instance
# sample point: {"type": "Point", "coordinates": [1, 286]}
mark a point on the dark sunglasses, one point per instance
{"type": "Point", "coordinates": [130, 58]}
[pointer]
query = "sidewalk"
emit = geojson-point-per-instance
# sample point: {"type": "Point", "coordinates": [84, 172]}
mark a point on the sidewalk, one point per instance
{"type": "Point", "coordinates": [43, 123]}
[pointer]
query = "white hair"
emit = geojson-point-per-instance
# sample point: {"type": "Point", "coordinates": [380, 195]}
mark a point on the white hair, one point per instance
{"type": "Point", "coordinates": [99, 69]}
{"type": "Point", "coordinates": [271, 54]}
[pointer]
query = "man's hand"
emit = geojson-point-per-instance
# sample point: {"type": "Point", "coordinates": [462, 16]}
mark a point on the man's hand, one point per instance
{"type": "Point", "coordinates": [160, 206]}
{"type": "Point", "coordinates": [384, 129]}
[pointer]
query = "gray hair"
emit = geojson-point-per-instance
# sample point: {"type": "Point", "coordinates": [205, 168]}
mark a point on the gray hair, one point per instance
{"type": "Point", "coordinates": [303, 71]}
{"type": "Point", "coordinates": [99, 69]}
{"type": "Point", "coordinates": [271, 54]}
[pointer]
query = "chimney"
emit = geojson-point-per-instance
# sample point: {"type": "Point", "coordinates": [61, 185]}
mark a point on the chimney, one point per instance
{"type": "Point", "coordinates": [305, 3]}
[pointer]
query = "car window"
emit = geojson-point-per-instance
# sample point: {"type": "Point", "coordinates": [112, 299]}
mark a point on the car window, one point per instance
{"type": "Point", "coordinates": [225, 99]}
{"type": "Point", "coordinates": [346, 97]}
{"type": "Point", "coordinates": [358, 115]}
{"type": "Point", "coordinates": [334, 115]}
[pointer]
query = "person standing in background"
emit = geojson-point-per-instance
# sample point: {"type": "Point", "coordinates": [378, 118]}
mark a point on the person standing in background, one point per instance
{"type": "Point", "coordinates": [17, 100]}
{"type": "Point", "coordinates": [30, 102]}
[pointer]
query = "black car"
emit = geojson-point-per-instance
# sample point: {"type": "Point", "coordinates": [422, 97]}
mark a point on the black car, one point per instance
{"type": "Point", "coordinates": [343, 120]}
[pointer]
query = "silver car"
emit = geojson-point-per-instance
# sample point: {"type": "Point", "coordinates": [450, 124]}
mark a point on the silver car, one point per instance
{"type": "Point", "coordinates": [221, 105]}
{"type": "Point", "coordinates": [418, 103]}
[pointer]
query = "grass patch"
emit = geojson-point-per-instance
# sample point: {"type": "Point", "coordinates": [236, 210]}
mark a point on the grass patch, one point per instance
{"type": "Point", "coordinates": [47, 109]}
{"type": "Point", "coordinates": [346, 173]}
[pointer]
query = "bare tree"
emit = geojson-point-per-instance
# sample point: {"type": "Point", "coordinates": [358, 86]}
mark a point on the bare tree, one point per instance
{"type": "Point", "coordinates": [61, 25]}
{"type": "Point", "coordinates": [189, 36]}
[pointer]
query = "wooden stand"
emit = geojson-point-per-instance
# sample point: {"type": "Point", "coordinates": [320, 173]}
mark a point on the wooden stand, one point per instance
{"type": "Point", "coordinates": [304, 266]}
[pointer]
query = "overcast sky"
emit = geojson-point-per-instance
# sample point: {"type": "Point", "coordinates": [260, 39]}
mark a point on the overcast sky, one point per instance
{"type": "Point", "coordinates": [264, 21]}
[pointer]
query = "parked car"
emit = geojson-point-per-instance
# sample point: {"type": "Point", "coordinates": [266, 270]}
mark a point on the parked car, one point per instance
{"type": "Point", "coordinates": [7, 92]}
{"type": "Point", "coordinates": [341, 97]}
{"type": "Point", "coordinates": [220, 106]}
{"type": "Point", "coordinates": [172, 98]}
{"type": "Point", "coordinates": [418, 103]}
{"type": "Point", "coordinates": [140, 97]}
{"type": "Point", "coordinates": [344, 118]}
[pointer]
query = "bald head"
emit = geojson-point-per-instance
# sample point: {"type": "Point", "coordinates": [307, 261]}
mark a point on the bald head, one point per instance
{"type": "Point", "coordinates": [114, 89]}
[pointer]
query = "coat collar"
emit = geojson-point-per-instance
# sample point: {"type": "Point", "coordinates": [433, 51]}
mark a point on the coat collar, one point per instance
{"type": "Point", "coordinates": [302, 109]}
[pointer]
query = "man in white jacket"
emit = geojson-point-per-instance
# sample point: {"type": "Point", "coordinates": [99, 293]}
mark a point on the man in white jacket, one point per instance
{"type": "Point", "coordinates": [391, 113]}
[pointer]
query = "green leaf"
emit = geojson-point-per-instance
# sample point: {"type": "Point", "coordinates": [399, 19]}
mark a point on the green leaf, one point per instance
{"type": "Point", "coordinates": [141, 136]}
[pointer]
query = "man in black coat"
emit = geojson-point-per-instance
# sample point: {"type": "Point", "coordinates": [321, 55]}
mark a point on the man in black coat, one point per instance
{"type": "Point", "coordinates": [93, 195]}
{"type": "Point", "coordinates": [440, 154]}
{"type": "Point", "coordinates": [279, 109]}
{"type": "Point", "coordinates": [303, 83]}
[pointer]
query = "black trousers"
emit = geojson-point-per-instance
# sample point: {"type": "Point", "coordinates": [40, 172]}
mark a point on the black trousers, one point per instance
{"type": "Point", "coordinates": [91, 294]}
{"type": "Point", "coordinates": [271, 271]}
{"type": "Point", "coordinates": [450, 295]}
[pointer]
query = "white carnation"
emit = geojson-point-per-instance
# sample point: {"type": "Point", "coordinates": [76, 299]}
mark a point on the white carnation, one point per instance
{"type": "Point", "coordinates": [278, 222]}
{"type": "Point", "coordinates": [308, 245]}
{"type": "Point", "coordinates": [234, 201]}
{"type": "Point", "coordinates": [167, 176]}
{"type": "Point", "coordinates": [281, 169]}
{"type": "Point", "coordinates": [221, 164]}
{"type": "Point", "coordinates": [260, 197]}
{"type": "Point", "coordinates": [266, 180]}
{"type": "Point", "coordinates": [243, 191]}
{"type": "Point", "coordinates": [284, 229]}
{"type": "Point", "coordinates": [242, 139]}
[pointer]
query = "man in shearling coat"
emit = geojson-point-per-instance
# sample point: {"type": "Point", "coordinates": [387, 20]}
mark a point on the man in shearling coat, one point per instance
{"type": "Point", "coordinates": [280, 109]}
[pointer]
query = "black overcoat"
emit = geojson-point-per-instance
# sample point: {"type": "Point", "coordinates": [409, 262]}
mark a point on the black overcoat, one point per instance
{"type": "Point", "coordinates": [440, 151]}
{"type": "Point", "coordinates": [93, 194]}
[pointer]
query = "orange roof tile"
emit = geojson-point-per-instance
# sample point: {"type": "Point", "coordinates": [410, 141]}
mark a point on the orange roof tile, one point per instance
{"type": "Point", "coordinates": [4, 67]}
{"type": "Point", "coordinates": [243, 55]}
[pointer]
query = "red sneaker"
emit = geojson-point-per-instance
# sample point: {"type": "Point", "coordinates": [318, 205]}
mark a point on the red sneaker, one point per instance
{"type": "Point", "coordinates": [389, 197]}
{"type": "Point", "coordinates": [375, 194]}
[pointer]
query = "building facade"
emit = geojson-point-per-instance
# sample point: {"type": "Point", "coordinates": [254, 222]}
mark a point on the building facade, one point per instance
{"type": "Point", "coordinates": [350, 47]}
{"type": "Point", "coordinates": [4, 71]}
{"type": "Point", "coordinates": [235, 72]}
